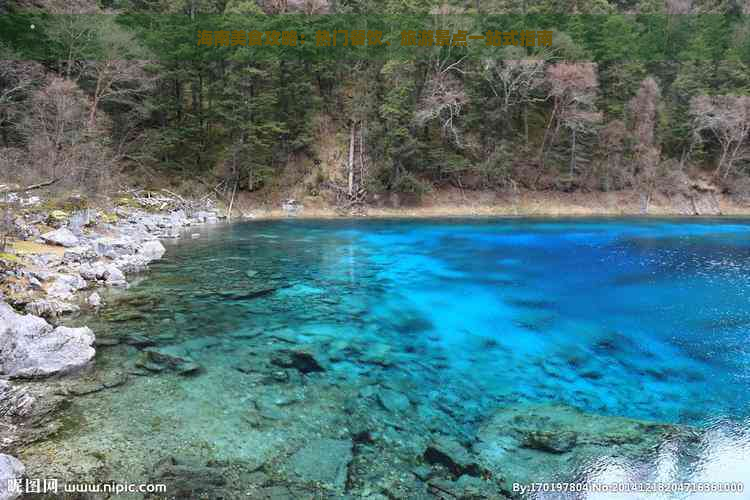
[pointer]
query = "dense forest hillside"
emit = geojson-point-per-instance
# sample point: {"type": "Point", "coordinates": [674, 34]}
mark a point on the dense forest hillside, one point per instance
{"type": "Point", "coordinates": [649, 97]}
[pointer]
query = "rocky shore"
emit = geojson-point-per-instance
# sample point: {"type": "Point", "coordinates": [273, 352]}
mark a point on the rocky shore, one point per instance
{"type": "Point", "coordinates": [66, 259]}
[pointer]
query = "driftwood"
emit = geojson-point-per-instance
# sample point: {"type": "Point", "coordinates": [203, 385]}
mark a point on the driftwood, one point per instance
{"type": "Point", "coordinates": [345, 202]}
{"type": "Point", "coordinates": [231, 203]}
{"type": "Point", "coordinates": [32, 187]}
{"type": "Point", "coordinates": [167, 200]}
{"type": "Point", "coordinates": [215, 189]}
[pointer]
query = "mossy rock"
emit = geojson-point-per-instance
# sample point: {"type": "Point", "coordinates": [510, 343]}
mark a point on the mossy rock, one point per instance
{"type": "Point", "coordinates": [109, 218]}
{"type": "Point", "coordinates": [9, 261]}
{"type": "Point", "coordinates": [69, 204]}
{"type": "Point", "coordinates": [10, 257]}
{"type": "Point", "coordinates": [127, 201]}
{"type": "Point", "coordinates": [59, 215]}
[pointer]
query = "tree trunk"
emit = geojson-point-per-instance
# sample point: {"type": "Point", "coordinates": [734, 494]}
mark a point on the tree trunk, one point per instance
{"type": "Point", "coordinates": [178, 99]}
{"type": "Point", "coordinates": [722, 159]}
{"type": "Point", "coordinates": [526, 122]}
{"type": "Point", "coordinates": [196, 96]}
{"type": "Point", "coordinates": [573, 154]}
{"type": "Point", "coordinates": [350, 164]}
{"type": "Point", "coordinates": [546, 134]}
{"type": "Point", "coordinates": [92, 113]}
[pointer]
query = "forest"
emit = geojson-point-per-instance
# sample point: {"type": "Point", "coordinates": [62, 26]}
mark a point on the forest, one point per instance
{"type": "Point", "coordinates": [647, 96]}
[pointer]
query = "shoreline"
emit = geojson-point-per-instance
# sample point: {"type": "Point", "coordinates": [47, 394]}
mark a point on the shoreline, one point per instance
{"type": "Point", "coordinates": [275, 215]}
{"type": "Point", "coordinates": [527, 204]}
{"type": "Point", "coordinates": [49, 277]}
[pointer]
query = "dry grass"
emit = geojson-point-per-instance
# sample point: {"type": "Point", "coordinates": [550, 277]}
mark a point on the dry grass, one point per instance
{"type": "Point", "coordinates": [455, 203]}
{"type": "Point", "coordinates": [31, 248]}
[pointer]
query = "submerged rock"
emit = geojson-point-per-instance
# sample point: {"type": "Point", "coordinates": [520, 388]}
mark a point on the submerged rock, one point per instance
{"type": "Point", "coordinates": [14, 402]}
{"type": "Point", "coordinates": [50, 308]}
{"type": "Point", "coordinates": [160, 359]}
{"type": "Point", "coordinates": [61, 237]}
{"type": "Point", "coordinates": [10, 469]}
{"type": "Point", "coordinates": [452, 455]}
{"type": "Point", "coordinates": [465, 488]}
{"type": "Point", "coordinates": [324, 461]}
{"type": "Point", "coordinates": [87, 387]}
{"type": "Point", "coordinates": [423, 472]}
{"type": "Point", "coordinates": [553, 442]}
{"type": "Point", "coordinates": [31, 347]}
{"type": "Point", "coordinates": [187, 479]}
{"type": "Point", "coordinates": [528, 443]}
{"type": "Point", "coordinates": [301, 360]}
{"type": "Point", "coordinates": [139, 340]}
{"type": "Point", "coordinates": [393, 401]}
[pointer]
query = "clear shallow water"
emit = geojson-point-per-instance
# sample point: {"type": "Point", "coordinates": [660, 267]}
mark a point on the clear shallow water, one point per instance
{"type": "Point", "coordinates": [642, 319]}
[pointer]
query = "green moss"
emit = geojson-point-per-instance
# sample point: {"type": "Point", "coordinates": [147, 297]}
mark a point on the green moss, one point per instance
{"type": "Point", "coordinates": [68, 425]}
{"type": "Point", "coordinates": [9, 261]}
{"type": "Point", "coordinates": [10, 258]}
{"type": "Point", "coordinates": [109, 218]}
{"type": "Point", "coordinates": [156, 424]}
{"type": "Point", "coordinates": [68, 204]}
{"type": "Point", "coordinates": [127, 201]}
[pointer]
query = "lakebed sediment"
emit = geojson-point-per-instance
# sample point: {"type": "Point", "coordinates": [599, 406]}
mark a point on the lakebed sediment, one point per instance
{"type": "Point", "coordinates": [225, 409]}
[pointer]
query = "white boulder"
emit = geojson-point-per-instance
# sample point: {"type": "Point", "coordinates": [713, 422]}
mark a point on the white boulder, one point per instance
{"type": "Point", "coordinates": [65, 285]}
{"type": "Point", "coordinates": [94, 300]}
{"type": "Point", "coordinates": [62, 237]}
{"type": "Point", "coordinates": [152, 250]}
{"type": "Point", "coordinates": [11, 469]}
{"type": "Point", "coordinates": [30, 347]}
{"type": "Point", "coordinates": [109, 273]}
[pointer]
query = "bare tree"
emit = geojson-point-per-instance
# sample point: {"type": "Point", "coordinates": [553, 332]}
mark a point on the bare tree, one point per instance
{"type": "Point", "coordinates": [613, 136]}
{"type": "Point", "coordinates": [578, 122]}
{"type": "Point", "coordinates": [314, 7]}
{"type": "Point", "coordinates": [17, 80]}
{"type": "Point", "coordinates": [444, 100]}
{"type": "Point", "coordinates": [514, 79]}
{"type": "Point", "coordinates": [76, 33]}
{"type": "Point", "coordinates": [572, 88]}
{"type": "Point", "coordinates": [60, 142]}
{"type": "Point", "coordinates": [444, 96]}
{"type": "Point", "coordinates": [115, 77]}
{"type": "Point", "coordinates": [643, 112]}
{"type": "Point", "coordinates": [643, 108]}
{"type": "Point", "coordinates": [727, 119]}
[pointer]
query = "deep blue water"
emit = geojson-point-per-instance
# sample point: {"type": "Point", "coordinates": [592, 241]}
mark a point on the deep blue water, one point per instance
{"type": "Point", "coordinates": [647, 319]}
{"type": "Point", "coordinates": [643, 318]}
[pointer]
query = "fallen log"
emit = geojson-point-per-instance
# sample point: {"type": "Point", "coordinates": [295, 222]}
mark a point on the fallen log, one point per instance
{"type": "Point", "coordinates": [32, 187]}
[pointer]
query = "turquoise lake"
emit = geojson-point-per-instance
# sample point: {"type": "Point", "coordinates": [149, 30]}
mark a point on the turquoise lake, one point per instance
{"type": "Point", "coordinates": [645, 319]}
